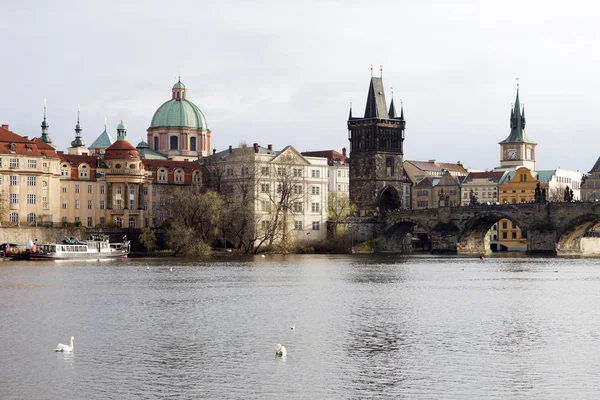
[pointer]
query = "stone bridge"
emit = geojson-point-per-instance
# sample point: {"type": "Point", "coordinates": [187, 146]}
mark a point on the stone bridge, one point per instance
{"type": "Point", "coordinates": [554, 228]}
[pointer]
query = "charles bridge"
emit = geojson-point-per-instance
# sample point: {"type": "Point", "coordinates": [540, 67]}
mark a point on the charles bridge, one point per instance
{"type": "Point", "coordinates": [553, 228]}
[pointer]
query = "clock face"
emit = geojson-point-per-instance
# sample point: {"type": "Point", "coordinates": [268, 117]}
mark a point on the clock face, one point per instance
{"type": "Point", "coordinates": [511, 154]}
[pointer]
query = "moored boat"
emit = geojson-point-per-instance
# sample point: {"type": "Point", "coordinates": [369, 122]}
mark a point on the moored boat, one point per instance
{"type": "Point", "coordinates": [95, 247]}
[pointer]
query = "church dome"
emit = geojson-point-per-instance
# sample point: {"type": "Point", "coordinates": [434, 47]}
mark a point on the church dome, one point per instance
{"type": "Point", "coordinates": [178, 112]}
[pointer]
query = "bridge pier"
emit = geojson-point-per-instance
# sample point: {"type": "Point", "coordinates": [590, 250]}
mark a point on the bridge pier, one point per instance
{"type": "Point", "coordinates": [443, 242]}
{"type": "Point", "coordinates": [541, 241]}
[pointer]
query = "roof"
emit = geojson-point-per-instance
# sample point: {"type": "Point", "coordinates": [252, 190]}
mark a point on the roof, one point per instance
{"type": "Point", "coordinates": [435, 166]}
{"type": "Point", "coordinates": [178, 112]}
{"type": "Point", "coordinates": [517, 125]}
{"type": "Point", "coordinates": [121, 149]}
{"type": "Point", "coordinates": [23, 145]}
{"type": "Point", "coordinates": [596, 166]}
{"type": "Point", "coordinates": [103, 141]}
{"type": "Point", "coordinates": [545, 176]}
{"type": "Point", "coordinates": [376, 105]}
{"type": "Point", "coordinates": [44, 147]}
{"type": "Point", "coordinates": [179, 85]}
{"type": "Point", "coordinates": [171, 165]}
{"type": "Point", "coordinates": [76, 159]}
{"type": "Point", "coordinates": [121, 126]}
{"type": "Point", "coordinates": [492, 176]}
{"type": "Point", "coordinates": [145, 152]}
{"type": "Point", "coordinates": [332, 156]}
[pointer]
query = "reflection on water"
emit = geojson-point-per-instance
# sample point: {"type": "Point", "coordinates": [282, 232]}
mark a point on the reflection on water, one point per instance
{"type": "Point", "coordinates": [365, 327]}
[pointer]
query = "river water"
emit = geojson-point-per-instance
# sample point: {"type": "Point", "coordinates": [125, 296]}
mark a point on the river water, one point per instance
{"type": "Point", "coordinates": [419, 327]}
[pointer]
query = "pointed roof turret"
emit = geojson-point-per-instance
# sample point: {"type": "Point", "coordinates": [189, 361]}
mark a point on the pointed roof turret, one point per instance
{"type": "Point", "coordinates": [350, 114]}
{"type": "Point", "coordinates": [103, 141]}
{"type": "Point", "coordinates": [376, 104]}
{"type": "Point", "coordinates": [401, 111]}
{"type": "Point", "coordinates": [45, 138]}
{"type": "Point", "coordinates": [517, 124]}
{"type": "Point", "coordinates": [78, 142]}
{"type": "Point", "coordinates": [392, 112]}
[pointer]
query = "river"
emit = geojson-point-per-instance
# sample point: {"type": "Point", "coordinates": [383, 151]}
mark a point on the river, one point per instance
{"type": "Point", "coordinates": [365, 327]}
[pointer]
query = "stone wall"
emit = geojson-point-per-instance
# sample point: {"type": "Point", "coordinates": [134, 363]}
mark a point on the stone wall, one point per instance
{"type": "Point", "coordinates": [20, 235]}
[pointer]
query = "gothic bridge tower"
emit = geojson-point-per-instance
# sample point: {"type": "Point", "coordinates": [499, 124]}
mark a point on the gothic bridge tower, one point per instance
{"type": "Point", "coordinates": [376, 146]}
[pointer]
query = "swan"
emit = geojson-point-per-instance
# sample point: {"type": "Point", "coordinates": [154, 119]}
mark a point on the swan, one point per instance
{"type": "Point", "coordinates": [280, 352]}
{"type": "Point", "coordinates": [171, 269]}
{"type": "Point", "coordinates": [147, 268]}
{"type": "Point", "coordinates": [64, 347]}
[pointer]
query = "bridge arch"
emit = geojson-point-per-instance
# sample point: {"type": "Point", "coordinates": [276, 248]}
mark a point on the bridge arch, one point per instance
{"type": "Point", "coordinates": [473, 234]}
{"type": "Point", "coordinates": [568, 239]}
{"type": "Point", "coordinates": [402, 236]}
{"type": "Point", "coordinates": [389, 199]}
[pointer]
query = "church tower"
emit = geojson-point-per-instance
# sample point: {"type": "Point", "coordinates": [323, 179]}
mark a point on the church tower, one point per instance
{"type": "Point", "coordinates": [517, 149]}
{"type": "Point", "coordinates": [376, 143]}
{"type": "Point", "coordinates": [78, 144]}
{"type": "Point", "coordinates": [45, 138]}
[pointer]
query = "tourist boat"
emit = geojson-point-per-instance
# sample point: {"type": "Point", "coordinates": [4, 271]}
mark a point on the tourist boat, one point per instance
{"type": "Point", "coordinates": [96, 247]}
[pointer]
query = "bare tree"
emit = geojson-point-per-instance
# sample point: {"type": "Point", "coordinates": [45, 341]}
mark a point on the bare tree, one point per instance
{"type": "Point", "coordinates": [339, 208]}
{"type": "Point", "coordinates": [4, 206]}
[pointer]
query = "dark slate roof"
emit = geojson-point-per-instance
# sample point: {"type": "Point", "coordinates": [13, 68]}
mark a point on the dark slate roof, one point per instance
{"type": "Point", "coordinates": [332, 156]}
{"type": "Point", "coordinates": [103, 141]}
{"type": "Point", "coordinates": [517, 125]}
{"type": "Point", "coordinates": [492, 176]}
{"type": "Point", "coordinates": [376, 105]}
{"type": "Point", "coordinates": [392, 112]}
{"type": "Point", "coordinates": [596, 166]}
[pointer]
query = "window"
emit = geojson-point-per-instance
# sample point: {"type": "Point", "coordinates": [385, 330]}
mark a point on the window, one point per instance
{"type": "Point", "coordinates": [197, 178]}
{"type": "Point", "coordinates": [83, 173]}
{"type": "Point", "coordinates": [118, 204]}
{"type": "Point", "coordinates": [14, 180]}
{"type": "Point", "coordinates": [297, 206]}
{"type": "Point", "coordinates": [77, 219]}
{"type": "Point", "coordinates": [44, 202]}
{"type": "Point", "coordinates": [119, 222]}
{"type": "Point", "coordinates": [162, 176]}
{"type": "Point", "coordinates": [264, 205]}
{"type": "Point", "coordinates": [118, 189]}
{"type": "Point", "coordinates": [131, 204]}
{"type": "Point", "coordinates": [297, 172]}
{"type": "Point", "coordinates": [265, 188]}
{"type": "Point", "coordinates": [90, 222]}
{"type": "Point", "coordinates": [229, 172]}
{"type": "Point", "coordinates": [145, 205]}
{"type": "Point", "coordinates": [31, 198]}
{"type": "Point", "coordinates": [101, 189]}
{"type": "Point", "coordinates": [77, 202]}
{"type": "Point", "coordinates": [102, 221]}
{"type": "Point", "coordinates": [298, 225]}
{"type": "Point", "coordinates": [179, 176]}
{"type": "Point", "coordinates": [504, 235]}
{"type": "Point", "coordinates": [297, 189]}
{"type": "Point", "coordinates": [389, 166]}
{"type": "Point", "coordinates": [77, 188]}
{"type": "Point", "coordinates": [193, 144]}
{"type": "Point", "coordinates": [316, 190]}
{"type": "Point", "coordinates": [89, 204]}
{"type": "Point", "coordinates": [155, 140]}
{"type": "Point", "coordinates": [145, 190]}
{"type": "Point", "coordinates": [315, 173]}
{"type": "Point", "coordinates": [315, 207]}
{"type": "Point", "coordinates": [90, 189]}
{"type": "Point", "coordinates": [14, 217]}
{"type": "Point", "coordinates": [316, 225]}
{"type": "Point", "coordinates": [31, 163]}
{"type": "Point", "coordinates": [173, 143]}
{"type": "Point", "coordinates": [504, 224]}
{"type": "Point", "coordinates": [64, 204]}
{"type": "Point", "coordinates": [31, 217]}
{"type": "Point", "coordinates": [131, 222]}
{"type": "Point", "coordinates": [102, 204]}
{"type": "Point", "coordinates": [265, 225]}
{"type": "Point", "coordinates": [14, 198]}
{"type": "Point", "coordinates": [264, 170]}
{"type": "Point", "coordinates": [514, 235]}
{"type": "Point", "coordinates": [245, 171]}
{"type": "Point", "coordinates": [14, 163]}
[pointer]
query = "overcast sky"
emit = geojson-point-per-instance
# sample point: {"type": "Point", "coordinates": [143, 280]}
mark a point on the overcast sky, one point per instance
{"type": "Point", "coordinates": [284, 73]}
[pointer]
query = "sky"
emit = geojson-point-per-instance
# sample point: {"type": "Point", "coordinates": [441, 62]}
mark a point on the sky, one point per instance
{"type": "Point", "coordinates": [284, 73]}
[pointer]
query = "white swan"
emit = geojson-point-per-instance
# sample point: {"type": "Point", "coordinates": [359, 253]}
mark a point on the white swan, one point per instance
{"type": "Point", "coordinates": [280, 352]}
{"type": "Point", "coordinates": [64, 347]}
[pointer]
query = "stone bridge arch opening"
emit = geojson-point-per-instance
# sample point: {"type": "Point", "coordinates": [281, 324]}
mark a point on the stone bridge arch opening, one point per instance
{"type": "Point", "coordinates": [492, 232]}
{"type": "Point", "coordinates": [407, 236]}
{"type": "Point", "coordinates": [389, 200]}
{"type": "Point", "coordinates": [569, 240]}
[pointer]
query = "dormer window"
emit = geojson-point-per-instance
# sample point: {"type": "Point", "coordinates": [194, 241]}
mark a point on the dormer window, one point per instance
{"type": "Point", "coordinates": [117, 166]}
{"type": "Point", "coordinates": [13, 147]}
{"type": "Point", "coordinates": [132, 166]}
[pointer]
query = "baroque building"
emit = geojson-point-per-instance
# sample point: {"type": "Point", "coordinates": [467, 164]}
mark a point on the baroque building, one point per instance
{"type": "Point", "coordinates": [178, 128]}
{"type": "Point", "coordinates": [376, 154]}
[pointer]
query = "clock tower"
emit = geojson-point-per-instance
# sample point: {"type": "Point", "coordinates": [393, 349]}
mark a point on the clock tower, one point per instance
{"type": "Point", "coordinates": [517, 149]}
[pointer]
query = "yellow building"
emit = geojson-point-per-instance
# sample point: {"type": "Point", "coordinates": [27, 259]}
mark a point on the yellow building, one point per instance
{"type": "Point", "coordinates": [516, 187]}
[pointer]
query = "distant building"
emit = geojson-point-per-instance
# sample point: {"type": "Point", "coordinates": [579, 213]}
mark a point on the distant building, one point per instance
{"type": "Point", "coordinates": [517, 149]}
{"type": "Point", "coordinates": [339, 168]}
{"type": "Point", "coordinates": [419, 170]}
{"type": "Point", "coordinates": [556, 181]}
{"type": "Point", "coordinates": [482, 185]}
{"type": "Point", "coordinates": [590, 186]}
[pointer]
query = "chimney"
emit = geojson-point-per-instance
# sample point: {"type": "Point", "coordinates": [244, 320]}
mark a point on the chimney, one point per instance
{"type": "Point", "coordinates": [244, 145]}
{"type": "Point", "coordinates": [459, 163]}
{"type": "Point", "coordinates": [270, 147]}
{"type": "Point", "coordinates": [5, 126]}
{"type": "Point", "coordinates": [230, 149]}
{"type": "Point", "coordinates": [344, 152]}
{"type": "Point", "coordinates": [26, 137]}
{"type": "Point", "coordinates": [84, 154]}
{"type": "Point", "coordinates": [214, 151]}
{"type": "Point", "coordinates": [255, 145]}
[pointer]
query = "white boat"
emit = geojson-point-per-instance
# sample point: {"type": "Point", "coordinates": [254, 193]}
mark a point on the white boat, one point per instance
{"type": "Point", "coordinates": [73, 249]}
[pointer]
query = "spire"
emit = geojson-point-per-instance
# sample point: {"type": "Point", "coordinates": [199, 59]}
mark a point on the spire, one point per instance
{"type": "Point", "coordinates": [350, 115]}
{"type": "Point", "coordinates": [45, 138]}
{"type": "Point", "coordinates": [401, 110]}
{"type": "Point", "coordinates": [376, 104]}
{"type": "Point", "coordinates": [517, 123]}
{"type": "Point", "coordinates": [392, 112]}
{"type": "Point", "coordinates": [78, 142]}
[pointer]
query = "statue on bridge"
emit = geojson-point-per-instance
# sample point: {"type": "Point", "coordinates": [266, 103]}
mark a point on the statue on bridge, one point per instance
{"type": "Point", "coordinates": [568, 196]}
{"type": "Point", "coordinates": [472, 198]}
{"type": "Point", "coordinates": [540, 194]}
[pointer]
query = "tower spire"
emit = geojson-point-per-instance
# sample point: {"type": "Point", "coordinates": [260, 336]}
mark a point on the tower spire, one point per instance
{"type": "Point", "coordinates": [350, 115]}
{"type": "Point", "coordinates": [78, 142]}
{"type": "Point", "coordinates": [45, 138]}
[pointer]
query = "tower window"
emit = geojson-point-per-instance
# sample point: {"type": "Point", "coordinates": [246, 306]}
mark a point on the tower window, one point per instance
{"type": "Point", "coordinates": [389, 166]}
{"type": "Point", "coordinates": [193, 144]}
{"type": "Point", "coordinates": [173, 143]}
{"type": "Point", "coordinates": [155, 143]}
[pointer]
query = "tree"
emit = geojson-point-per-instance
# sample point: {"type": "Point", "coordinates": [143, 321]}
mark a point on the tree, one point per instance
{"type": "Point", "coordinates": [195, 220]}
{"type": "Point", "coordinates": [4, 206]}
{"type": "Point", "coordinates": [148, 239]}
{"type": "Point", "coordinates": [339, 208]}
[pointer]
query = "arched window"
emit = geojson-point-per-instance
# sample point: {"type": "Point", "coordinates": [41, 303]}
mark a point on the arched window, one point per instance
{"type": "Point", "coordinates": [31, 217]}
{"type": "Point", "coordinates": [173, 143]}
{"type": "Point", "coordinates": [119, 222]}
{"type": "Point", "coordinates": [117, 165]}
{"type": "Point", "coordinates": [14, 217]}
{"type": "Point", "coordinates": [131, 222]}
{"type": "Point", "coordinates": [193, 144]}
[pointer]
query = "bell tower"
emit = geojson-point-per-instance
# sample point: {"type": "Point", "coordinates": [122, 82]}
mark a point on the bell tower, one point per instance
{"type": "Point", "coordinates": [376, 154]}
{"type": "Point", "coordinates": [517, 149]}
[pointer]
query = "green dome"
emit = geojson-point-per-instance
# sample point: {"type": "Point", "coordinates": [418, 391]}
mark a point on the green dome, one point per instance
{"type": "Point", "coordinates": [179, 85]}
{"type": "Point", "coordinates": [178, 114]}
{"type": "Point", "coordinates": [122, 126]}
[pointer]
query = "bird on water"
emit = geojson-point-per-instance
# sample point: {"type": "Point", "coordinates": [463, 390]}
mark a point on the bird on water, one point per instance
{"type": "Point", "coordinates": [280, 352]}
{"type": "Point", "coordinates": [64, 347]}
